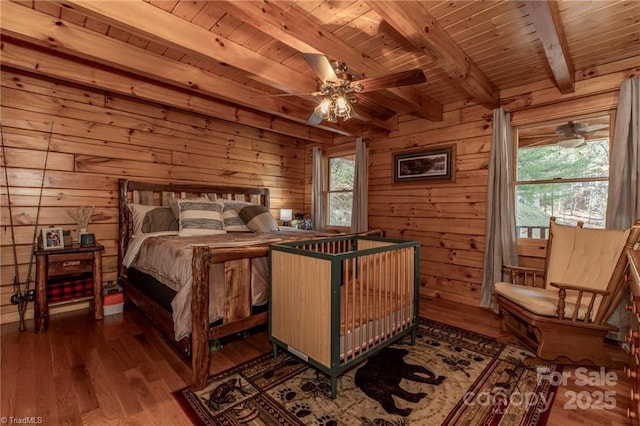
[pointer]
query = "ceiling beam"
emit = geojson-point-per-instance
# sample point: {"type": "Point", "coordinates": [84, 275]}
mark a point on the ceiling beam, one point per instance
{"type": "Point", "coordinates": [420, 28]}
{"type": "Point", "coordinates": [152, 23]}
{"type": "Point", "coordinates": [546, 19]}
{"type": "Point", "coordinates": [298, 31]}
{"type": "Point", "coordinates": [51, 64]}
{"type": "Point", "coordinates": [44, 30]}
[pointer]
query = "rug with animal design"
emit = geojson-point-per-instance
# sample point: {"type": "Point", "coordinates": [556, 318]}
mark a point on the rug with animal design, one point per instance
{"type": "Point", "coordinates": [450, 376]}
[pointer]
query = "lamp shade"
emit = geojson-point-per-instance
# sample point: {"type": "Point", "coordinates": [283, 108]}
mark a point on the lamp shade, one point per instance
{"type": "Point", "coordinates": [286, 215]}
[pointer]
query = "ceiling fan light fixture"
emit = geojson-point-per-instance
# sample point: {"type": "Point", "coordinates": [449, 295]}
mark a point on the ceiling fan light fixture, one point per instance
{"type": "Point", "coordinates": [343, 109]}
{"type": "Point", "coordinates": [571, 142]}
{"type": "Point", "coordinates": [324, 107]}
{"type": "Point", "coordinates": [331, 109]}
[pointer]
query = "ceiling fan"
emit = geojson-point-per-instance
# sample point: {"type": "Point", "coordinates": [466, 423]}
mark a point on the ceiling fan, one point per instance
{"type": "Point", "coordinates": [339, 89]}
{"type": "Point", "coordinates": [572, 134]}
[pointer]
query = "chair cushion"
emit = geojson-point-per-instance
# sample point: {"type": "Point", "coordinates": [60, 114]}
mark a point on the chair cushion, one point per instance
{"type": "Point", "coordinates": [541, 301]}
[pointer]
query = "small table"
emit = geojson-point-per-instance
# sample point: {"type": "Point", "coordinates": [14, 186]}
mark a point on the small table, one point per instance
{"type": "Point", "coordinates": [68, 261]}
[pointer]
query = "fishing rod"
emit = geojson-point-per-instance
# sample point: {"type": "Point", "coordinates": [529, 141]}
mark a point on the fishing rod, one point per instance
{"type": "Point", "coordinates": [31, 295]}
{"type": "Point", "coordinates": [21, 298]}
{"type": "Point", "coordinates": [17, 295]}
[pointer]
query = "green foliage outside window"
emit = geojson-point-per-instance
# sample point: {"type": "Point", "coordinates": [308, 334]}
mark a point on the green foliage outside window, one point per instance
{"type": "Point", "coordinates": [568, 183]}
{"type": "Point", "coordinates": [340, 196]}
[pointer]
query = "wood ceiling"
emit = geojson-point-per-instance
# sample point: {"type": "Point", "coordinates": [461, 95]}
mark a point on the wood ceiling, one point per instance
{"type": "Point", "coordinates": [221, 57]}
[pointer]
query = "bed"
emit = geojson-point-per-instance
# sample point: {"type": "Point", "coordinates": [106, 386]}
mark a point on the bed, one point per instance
{"type": "Point", "coordinates": [231, 267]}
{"type": "Point", "coordinates": [336, 301]}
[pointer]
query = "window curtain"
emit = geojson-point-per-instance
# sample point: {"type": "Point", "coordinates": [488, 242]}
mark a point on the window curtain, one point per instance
{"type": "Point", "coordinates": [500, 246]}
{"type": "Point", "coordinates": [317, 196]}
{"type": "Point", "coordinates": [623, 201]}
{"type": "Point", "coordinates": [359, 212]}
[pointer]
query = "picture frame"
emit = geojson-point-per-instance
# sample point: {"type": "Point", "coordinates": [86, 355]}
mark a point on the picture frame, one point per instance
{"type": "Point", "coordinates": [432, 164]}
{"type": "Point", "coordinates": [52, 239]}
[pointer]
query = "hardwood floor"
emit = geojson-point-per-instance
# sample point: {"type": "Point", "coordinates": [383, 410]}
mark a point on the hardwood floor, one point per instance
{"type": "Point", "coordinates": [121, 371]}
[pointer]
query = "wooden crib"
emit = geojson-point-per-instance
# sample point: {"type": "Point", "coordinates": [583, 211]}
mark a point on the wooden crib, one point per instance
{"type": "Point", "coordinates": [336, 301]}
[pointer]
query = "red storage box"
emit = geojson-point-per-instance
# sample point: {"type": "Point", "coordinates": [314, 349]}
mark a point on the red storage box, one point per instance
{"type": "Point", "coordinates": [113, 299]}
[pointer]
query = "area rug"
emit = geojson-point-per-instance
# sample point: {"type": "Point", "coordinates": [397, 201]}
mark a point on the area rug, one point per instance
{"type": "Point", "coordinates": [449, 377]}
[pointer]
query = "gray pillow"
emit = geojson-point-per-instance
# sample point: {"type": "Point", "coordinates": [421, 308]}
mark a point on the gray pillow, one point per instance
{"type": "Point", "coordinates": [160, 219]}
{"type": "Point", "coordinates": [258, 218]}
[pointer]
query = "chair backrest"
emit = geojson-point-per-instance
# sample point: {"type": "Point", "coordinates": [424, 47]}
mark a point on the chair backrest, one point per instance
{"type": "Point", "coordinates": [583, 256]}
{"type": "Point", "coordinates": [591, 258]}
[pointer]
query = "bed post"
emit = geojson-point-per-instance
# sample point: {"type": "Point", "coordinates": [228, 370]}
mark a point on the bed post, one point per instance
{"type": "Point", "coordinates": [200, 316]}
{"type": "Point", "coordinates": [123, 224]}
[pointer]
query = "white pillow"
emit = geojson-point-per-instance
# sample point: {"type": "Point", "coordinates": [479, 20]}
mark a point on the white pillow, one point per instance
{"type": "Point", "coordinates": [200, 218]}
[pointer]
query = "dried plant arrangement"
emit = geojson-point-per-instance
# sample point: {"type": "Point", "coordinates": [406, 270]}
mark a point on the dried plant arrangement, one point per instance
{"type": "Point", "coordinates": [81, 215]}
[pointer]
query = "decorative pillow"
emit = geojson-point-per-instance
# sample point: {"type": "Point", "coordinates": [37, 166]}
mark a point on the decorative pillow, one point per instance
{"type": "Point", "coordinates": [258, 218]}
{"type": "Point", "coordinates": [232, 221]}
{"type": "Point", "coordinates": [173, 203]}
{"type": "Point", "coordinates": [200, 218]}
{"type": "Point", "coordinates": [160, 219]}
{"type": "Point", "coordinates": [236, 205]}
{"type": "Point", "coordinates": [152, 219]}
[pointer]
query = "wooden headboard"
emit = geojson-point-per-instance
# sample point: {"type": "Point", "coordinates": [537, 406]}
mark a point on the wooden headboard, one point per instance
{"type": "Point", "coordinates": [153, 193]}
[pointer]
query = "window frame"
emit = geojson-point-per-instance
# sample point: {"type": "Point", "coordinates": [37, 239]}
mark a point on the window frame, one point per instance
{"type": "Point", "coordinates": [338, 152]}
{"type": "Point", "coordinates": [559, 181]}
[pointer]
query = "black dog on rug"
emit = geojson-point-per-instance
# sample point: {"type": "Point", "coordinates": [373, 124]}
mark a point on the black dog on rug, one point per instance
{"type": "Point", "coordinates": [380, 379]}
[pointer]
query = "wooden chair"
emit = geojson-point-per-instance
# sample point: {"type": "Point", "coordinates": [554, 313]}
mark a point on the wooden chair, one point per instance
{"type": "Point", "coordinates": [561, 312]}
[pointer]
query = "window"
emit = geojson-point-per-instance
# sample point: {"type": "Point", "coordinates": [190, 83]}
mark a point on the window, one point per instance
{"type": "Point", "coordinates": [569, 183]}
{"type": "Point", "coordinates": [340, 189]}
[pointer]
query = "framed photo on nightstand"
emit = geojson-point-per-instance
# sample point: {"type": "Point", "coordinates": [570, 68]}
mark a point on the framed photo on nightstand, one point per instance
{"type": "Point", "coordinates": [52, 238]}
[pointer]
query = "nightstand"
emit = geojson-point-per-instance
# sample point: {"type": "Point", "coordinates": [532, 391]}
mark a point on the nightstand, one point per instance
{"type": "Point", "coordinates": [64, 266]}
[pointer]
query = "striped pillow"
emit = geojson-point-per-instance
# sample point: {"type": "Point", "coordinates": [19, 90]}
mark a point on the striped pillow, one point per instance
{"type": "Point", "coordinates": [231, 219]}
{"type": "Point", "coordinates": [173, 203]}
{"type": "Point", "coordinates": [258, 218]}
{"type": "Point", "coordinates": [200, 218]}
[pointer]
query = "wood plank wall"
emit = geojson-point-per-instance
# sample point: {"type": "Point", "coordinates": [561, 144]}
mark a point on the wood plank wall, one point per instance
{"type": "Point", "coordinates": [100, 137]}
{"type": "Point", "coordinates": [449, 218]}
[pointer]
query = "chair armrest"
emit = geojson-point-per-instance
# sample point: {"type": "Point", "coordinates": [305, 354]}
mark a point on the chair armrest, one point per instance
{"type": "Point", "coordinates": [562, 295]}
{"type": "Point", "coordinates": [521, 275]}
{"type": "Point", "coordinates": [578, 288]}
{"type": "Point", "coordinates": [523, 269]}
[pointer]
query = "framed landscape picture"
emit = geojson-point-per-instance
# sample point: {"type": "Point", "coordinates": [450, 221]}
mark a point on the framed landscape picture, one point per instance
{"type": "Point", "coordinates": [435, 164]}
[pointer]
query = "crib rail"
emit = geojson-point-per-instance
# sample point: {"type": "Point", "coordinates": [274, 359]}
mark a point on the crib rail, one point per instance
{"type": "Point", "coordinates": [378, 299]}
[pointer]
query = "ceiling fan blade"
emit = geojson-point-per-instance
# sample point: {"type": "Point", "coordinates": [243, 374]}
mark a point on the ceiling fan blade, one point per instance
{"type": "Point", "coordinates": [595, 127]}
{"type": "Point", "coordinates": [278, 95]}
{"type": "Point", "coordinates": [375, 109]}
{"type": "Point", "coordinates": [402, 78]}
{"type": "Point", "coordinates": [597, 134]}
{"type": "Point", "coordinates": [314, 119]}
{"type": "Point", "coordinates": [537, 141]}
{"type": "Point", "coordinates": [321, 66]}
